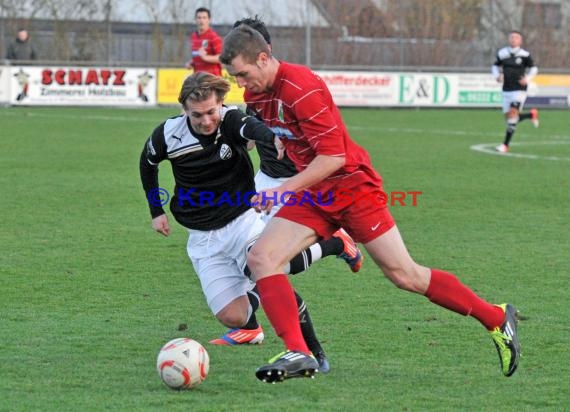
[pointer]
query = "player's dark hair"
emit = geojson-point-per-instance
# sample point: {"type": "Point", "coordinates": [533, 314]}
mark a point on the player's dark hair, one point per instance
{"type": "Point", "coordinates": [202, 10]}
{"type": "Point", "coordinates": [245, 42]}
{"type": "Point", "coordinates": [516, 32]}
{"type": "Point", "coordinates": [199, 86]}
{"type": "Point", "coordinates": [257, 24]}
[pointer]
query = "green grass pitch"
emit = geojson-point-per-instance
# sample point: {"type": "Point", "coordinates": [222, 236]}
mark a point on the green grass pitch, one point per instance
{"type": "Point", "coordinates": [89, 293]}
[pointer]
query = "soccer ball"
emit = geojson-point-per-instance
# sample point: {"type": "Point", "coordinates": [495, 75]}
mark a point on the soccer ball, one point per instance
{"type": "Point", "coordinates": [183, 363]}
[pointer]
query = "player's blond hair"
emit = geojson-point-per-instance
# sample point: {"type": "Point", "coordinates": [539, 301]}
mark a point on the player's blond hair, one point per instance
{"type": "Point", "coordinates": [199, 86]}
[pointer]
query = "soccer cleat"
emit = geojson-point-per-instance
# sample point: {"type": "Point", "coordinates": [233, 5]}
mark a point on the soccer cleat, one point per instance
{"type": "Point", "coordinates": [238, 336]}
{"type": "Point", "coordinates": [502, 148]}
{"type": "Point", "coordinates": [506, 340]}
{"type": "Point", "coordinates": [534, 117]}
{"type": "Point", "coordinates": [351, 254]}
{"type": "Point", "coordinates": [287, 365]}
{"type": "Point", "coordinates": [323, 362]}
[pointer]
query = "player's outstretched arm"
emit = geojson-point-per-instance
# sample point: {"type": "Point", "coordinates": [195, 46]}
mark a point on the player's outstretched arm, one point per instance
{"type": "Point", "coordinates": [237, 123]}
{"type": "Point", "coordinates": [149, 180]}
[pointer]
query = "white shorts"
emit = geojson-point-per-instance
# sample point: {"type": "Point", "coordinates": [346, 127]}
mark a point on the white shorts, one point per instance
{"type": "Point", "coordinates": [511, 97]}
{"type": "Point", "coordinates": [219, 258]}
{"type": "Point", "coordinates": [262, 182]}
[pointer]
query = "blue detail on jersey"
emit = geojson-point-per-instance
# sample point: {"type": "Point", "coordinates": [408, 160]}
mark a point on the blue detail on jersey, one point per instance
{"type": "Point", "coordinates": [282, 132]}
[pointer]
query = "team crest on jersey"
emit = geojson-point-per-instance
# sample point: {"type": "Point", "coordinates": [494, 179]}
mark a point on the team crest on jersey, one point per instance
{"type": "Point", "coordinates": [280, 112]}
{"type": "Point", "coordinates": [518, 60]}
{"type": "Point", "coordinates": [225, 152]}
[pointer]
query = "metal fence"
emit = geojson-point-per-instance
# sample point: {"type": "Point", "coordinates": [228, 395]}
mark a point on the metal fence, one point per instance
{"type": "Point", "coordinates": [367, 35]}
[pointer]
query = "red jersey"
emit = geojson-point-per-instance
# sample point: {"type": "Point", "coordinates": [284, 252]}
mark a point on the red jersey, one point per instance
{"type": "Point", "coordinates": [301, 111]}
{"type": "Point", "coordinates": [212, 42]}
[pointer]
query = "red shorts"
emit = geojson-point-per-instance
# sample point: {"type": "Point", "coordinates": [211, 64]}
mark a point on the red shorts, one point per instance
{"type": "Point", "coordinates": [362, 213]}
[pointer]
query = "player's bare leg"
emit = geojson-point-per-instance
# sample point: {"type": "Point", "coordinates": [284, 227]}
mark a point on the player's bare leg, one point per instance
{"type": "Point", "coordinates": [280, 241]}
{"type": "Point", "coordinates": [391, 255]}
{"type": "Point", "coordinates": [444, 289]}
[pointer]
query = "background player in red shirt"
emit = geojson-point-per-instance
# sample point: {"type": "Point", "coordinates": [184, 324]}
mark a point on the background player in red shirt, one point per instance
{"type": "Point", "coordinates": [205, 45]}
{"type": "Point", "coordinates": [297, 105]}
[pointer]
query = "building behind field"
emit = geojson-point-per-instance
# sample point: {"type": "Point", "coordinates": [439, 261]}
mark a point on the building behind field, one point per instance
{"type": "Point", "coordinates": [360, 34]}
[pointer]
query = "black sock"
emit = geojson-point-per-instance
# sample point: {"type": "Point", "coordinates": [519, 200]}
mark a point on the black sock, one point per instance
{"type": "Point", "coordinates": [524, 116]}
{"type": "Point", "coordinates": [254, 302]}
{"type": "Point", "coordinates": [301, 262]}
{"type": "Point", "coordinates": [511, 127]}
{"type": "Point", "coordinates": [332, 246]}
{"type": "Point", "coordinates": [307, 326]}
{"type": "Point", "coordinates": [329, 247]}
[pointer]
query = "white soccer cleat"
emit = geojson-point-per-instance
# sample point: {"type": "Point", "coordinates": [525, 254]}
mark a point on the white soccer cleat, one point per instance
{"type": "Point", "coordinates": [534, 117]}
{"type": "Point", "coordinates": [502, 148]}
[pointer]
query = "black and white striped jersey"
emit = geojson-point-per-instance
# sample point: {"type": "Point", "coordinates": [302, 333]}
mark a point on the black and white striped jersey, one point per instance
{"type": "Point", "coordinates": [515, 63]}
{"type": "Point", "coordinates": [213, 174]}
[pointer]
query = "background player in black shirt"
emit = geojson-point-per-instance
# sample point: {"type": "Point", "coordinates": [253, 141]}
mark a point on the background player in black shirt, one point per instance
{"type": "Point", "coordinates": [514, 68]}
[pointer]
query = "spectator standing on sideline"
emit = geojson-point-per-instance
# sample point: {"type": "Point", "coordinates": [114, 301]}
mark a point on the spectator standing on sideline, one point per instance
{"type": "Point", "coordinates": [21, 48]}
{"type": "Point", "coordinates": [514, 68]}
{"type": "Point", "coordinates": [205, 45]}
{"type": "Point", "coordinates": [297, 105]}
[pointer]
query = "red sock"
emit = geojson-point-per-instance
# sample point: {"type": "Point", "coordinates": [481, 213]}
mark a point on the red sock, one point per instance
{"type": "Point", "coordinates": [280, 306]}
{"type": "Point", "coordinates": [447, 291]}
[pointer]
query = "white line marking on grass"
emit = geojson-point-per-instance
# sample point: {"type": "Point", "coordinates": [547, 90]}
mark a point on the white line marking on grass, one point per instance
{"type": "Point", "coordinates": [81, 117]}
{"type": "Point", "coordinates": [410, 130]}
{"type": "Point", "coordinates": [489, 148]}
{"type": "Point", "coordinates": [449, 132]}
{"type": "Point", "coordinates": [31, 113]}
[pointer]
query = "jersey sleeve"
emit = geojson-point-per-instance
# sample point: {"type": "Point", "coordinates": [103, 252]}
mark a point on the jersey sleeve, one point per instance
{"type": "Point", "coordinates": [154, 151]}
{"type": "Point", "coordinates": [216, 44]}
{"type": "Point", "coordinates": [498, 61]}
{"type": "Point", "coordinates": [238, 125]}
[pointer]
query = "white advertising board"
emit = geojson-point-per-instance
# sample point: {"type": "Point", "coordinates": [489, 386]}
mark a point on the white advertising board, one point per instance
{"type": "Point", "coordinates": [371, 89]}
{"type": "Point", "coordinates": [4, 84]}
{"type": "Point", "coordinates": [90, 86]}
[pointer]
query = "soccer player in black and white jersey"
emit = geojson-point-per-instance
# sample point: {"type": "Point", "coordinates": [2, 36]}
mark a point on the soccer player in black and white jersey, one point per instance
{"type": "Point", "coordinates": [514, 68]}
{"type": "Point", "coordinates": [213, 173]}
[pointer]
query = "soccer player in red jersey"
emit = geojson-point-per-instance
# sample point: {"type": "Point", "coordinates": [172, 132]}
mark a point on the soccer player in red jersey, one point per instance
{"type": "Point", "coordinates": [297, 105]}
{"type": "Point", "coordinates": [205, 45]}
